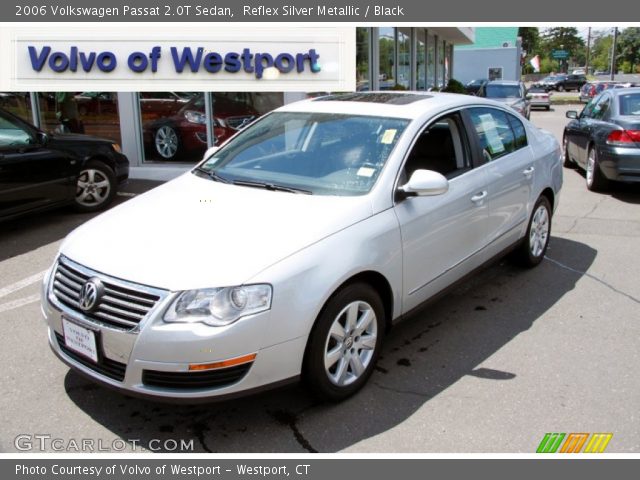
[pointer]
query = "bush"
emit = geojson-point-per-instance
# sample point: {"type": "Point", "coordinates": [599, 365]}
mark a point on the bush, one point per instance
{"type": "Point", "coordinates": [454, 86]}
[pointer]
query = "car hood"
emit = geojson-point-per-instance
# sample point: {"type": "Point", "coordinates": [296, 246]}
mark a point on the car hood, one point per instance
{"type": "Point", "coordinates": [193, 232]}
{"type": "Point", "coordinates": [75, 138]}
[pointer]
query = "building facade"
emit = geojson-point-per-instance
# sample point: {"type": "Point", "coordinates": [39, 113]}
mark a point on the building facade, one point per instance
{"type": "Point", "coordinates": [163, 133]}
{"type": "Point", "coordinates": [494, 55]}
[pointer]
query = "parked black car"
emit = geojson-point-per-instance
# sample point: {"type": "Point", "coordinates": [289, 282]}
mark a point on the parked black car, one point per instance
{"type": "Point", "coordinates": [563, 82]}
{"type": "Point", "coordinates": [474, 85]}
{"type": "Point", "coordinates": [604, 139]}
{"type": "Point", "coordinates": [509, 92]}
{"type": "Point", "coordinates": [40, 171]}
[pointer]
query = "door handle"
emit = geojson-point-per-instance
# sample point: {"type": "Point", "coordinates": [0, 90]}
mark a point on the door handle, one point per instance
{"type": "Point", "coordinates": [527, 172]}
{"type": "Point", "coordinates": [478, 197]}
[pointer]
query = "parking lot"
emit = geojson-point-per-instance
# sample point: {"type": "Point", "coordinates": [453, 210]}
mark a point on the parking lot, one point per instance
{"type": "Point", "coordinates": [506, 357]}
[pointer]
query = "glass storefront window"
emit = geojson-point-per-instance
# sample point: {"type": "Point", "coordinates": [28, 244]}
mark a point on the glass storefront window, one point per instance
{"type": "Point", "coordinates": [431, 58]}
{"type": "Point", "coordinates": [440, 66]}
{"type": "Point", "coordinates": [362, 59]}
{"type": "Point", "coordinates": [421, 72]}
{"type": "Point", "coordinates": [404, 60]}
{"type": "Point", "coordinates": [91, 113]}
{"type": "Point", "coordinates": [174, 124]}
{"type": "Point", "coordinates": [18, 103]}
{"type": "Point", "coordinates": [387, 48]}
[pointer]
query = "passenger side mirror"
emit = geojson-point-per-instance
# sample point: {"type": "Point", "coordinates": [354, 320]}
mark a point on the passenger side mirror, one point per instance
{"type": "Point", "coordinates": [425, 183]}
{"type": "Point", "coordinates": [210, 152]}
{"type": "Point", "coordinates": [572, 114]}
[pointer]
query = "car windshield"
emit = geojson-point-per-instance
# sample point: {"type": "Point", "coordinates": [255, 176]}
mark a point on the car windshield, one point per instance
{"type": "Point", "coordinates": [503, 91]}
{"type": "Point", "coordinates": [319, 153]}
{"type": "Point", "coordinates": [629, 104]}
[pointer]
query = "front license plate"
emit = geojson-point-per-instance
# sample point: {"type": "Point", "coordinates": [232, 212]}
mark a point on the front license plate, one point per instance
{"type": "Point", "coordinates": [79, 339]}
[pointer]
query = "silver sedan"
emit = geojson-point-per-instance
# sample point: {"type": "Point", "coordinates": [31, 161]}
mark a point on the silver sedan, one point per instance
{"type": "Point", "coordinates": [291, 250]}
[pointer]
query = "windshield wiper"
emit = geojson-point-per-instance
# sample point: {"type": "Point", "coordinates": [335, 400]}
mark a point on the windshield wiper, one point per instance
{"type": "Point", "coordinates": [213, 175]}
{"type": "Point", "coordinates": [271, 186]}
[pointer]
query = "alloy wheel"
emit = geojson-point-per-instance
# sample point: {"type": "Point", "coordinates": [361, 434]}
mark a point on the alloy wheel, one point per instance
{"type": "Point", "coordinates": [93, 188]}
{"type": "Point", "coordinates": [350, 344]}
{"type": "Point", "coordinates": [166, 142]}
{"type": "Point", "coordinates": [539, 231]}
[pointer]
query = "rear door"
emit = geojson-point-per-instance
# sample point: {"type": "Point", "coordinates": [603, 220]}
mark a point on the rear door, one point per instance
{"type": "Point", "coordinates": [31, 174]}
{"type": "Point", "coordinates": [503, 141]}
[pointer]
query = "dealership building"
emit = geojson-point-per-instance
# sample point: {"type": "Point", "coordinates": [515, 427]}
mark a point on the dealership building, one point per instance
{"type": "Point", "coordinates": [163, 133]}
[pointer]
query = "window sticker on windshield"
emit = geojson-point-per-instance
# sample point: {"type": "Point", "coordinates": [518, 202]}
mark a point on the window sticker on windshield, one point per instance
{"type": "Point", "coordinates": [491, 133]}
{"type": "Point", "coordinates": [388, 136]}
{"type": "Point", "coordinates": [366, 171]}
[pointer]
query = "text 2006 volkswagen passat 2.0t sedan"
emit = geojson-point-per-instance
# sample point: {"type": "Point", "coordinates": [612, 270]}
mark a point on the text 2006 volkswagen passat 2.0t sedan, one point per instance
{"type": "Point", "coordinates": [289, 251]}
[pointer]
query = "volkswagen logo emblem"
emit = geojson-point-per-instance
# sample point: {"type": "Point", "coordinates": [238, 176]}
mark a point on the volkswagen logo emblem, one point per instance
{"type": "Point", "coordinates": [90, 294]}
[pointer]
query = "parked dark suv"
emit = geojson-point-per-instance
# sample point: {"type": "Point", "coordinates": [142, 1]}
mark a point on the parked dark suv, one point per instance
{"type": "Point", "coordinates": [509, 92]}
{"type": "Point", "coordinates": [40, 171]}
{"type": "Point", "coordinates": [561, 83]}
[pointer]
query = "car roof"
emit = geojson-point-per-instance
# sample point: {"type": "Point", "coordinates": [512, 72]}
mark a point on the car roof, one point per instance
{"type": "Point", "coordinates": [623, 91]}
{"type": "Point", "coordinates": [503, 82]}
{"type": "Point", "coordinates": [409, 105]}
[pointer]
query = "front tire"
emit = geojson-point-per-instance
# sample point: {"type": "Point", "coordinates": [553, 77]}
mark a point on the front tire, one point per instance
{"type": "Point", "coordinates": [535, 243]}
{"type": "Point", "coordinates": [596, 181]}
{"type": "Point", "coordinates": [345, 343]}
{"type": "Point", "coordinates": [95, 187]}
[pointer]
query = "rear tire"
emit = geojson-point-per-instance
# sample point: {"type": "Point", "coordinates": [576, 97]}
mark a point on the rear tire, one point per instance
{"type": "Point", "coordinates": [596, 181]}
{"type": "Point", "coordinates": [534, 245]}
{"type": "Point", "coordinates": [345, 343]}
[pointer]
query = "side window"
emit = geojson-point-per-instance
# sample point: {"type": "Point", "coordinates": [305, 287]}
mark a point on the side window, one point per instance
{"type": "Point", "coordinates": [519, 132]}
{"type": "Point", "coordinates": [13, 135]}
{"type": "Point", "coordinates": [441, 147]}
{"type": "Point", "coordinates": [601, 108]}
{"type": "Point", "coordinates": [588, 110]}
{"type": "Point", "coordinates": [494, 132]}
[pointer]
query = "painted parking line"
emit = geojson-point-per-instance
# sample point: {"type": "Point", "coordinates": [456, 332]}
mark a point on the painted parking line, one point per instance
{"type": "Point", "coordinates": [21, 302]}
{"type": "Point", "coordinates": [20, 284]}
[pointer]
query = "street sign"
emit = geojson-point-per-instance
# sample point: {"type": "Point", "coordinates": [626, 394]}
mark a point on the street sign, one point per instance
{"type": "Point", "coordinates": [559, 54]}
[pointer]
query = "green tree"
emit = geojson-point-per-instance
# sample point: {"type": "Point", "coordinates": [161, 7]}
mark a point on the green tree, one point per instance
{"type": "Point", "coordinates": [629, 48]}
{"type": "Point", "coordinates": [530, 39]}
{"type": "Point", "coordinates": [601, 49]}
{"type": "Point", "coordinates": [564, 38]}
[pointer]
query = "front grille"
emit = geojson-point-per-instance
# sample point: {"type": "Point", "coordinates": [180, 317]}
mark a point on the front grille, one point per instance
{"type": "Point", "coordinates": [195, 380]}
{"type": "Point", "coordinates": [121, 306]}
{"type": "Point", "coordinates": [107, 367]}
{"type": "Point", "coordinates": [239, 122]}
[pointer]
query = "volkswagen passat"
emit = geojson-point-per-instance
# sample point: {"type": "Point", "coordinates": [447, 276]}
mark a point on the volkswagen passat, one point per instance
{"type": "Point", "coordinates": [292, 249]}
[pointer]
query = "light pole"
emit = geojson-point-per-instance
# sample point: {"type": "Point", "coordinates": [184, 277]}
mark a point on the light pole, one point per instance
{"type": "Point", "coordinates": [613, 53]}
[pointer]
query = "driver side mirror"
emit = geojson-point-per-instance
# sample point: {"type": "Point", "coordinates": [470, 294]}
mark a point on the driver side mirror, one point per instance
{"type": "Point", "coordinates": [572, 114]}
{"type": "Point", "coordinates": [42, 138]}
{"type": "Point", "coordinates": [425, 183]}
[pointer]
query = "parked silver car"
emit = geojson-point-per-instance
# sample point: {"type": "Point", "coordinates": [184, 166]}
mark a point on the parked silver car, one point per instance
{"type": "Point", "coordinates": [293, 248]}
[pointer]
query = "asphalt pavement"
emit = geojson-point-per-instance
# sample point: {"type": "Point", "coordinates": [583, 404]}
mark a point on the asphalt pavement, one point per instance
{"type": "Point", "coordinates": [505, 358]}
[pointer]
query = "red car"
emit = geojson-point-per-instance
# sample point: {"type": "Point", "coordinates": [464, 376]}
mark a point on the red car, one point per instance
{"type": "Point", "coordinates": [183, 135]}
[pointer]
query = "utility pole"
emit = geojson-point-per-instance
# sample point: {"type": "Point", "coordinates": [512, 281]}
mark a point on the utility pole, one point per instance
{"type": "Point", "coordinates": [586, 67]}
{"type": "Point", "coordinates": [613, 53]}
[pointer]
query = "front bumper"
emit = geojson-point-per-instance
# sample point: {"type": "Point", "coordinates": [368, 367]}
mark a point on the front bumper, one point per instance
{"type": "Point", "coordinates": [620, 164]}
{"type": "Point", "coordinates": [152, 359]}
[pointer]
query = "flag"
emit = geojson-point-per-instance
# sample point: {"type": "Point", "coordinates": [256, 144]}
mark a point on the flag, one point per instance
{"type": "Point", "coordinates": [535, 63]}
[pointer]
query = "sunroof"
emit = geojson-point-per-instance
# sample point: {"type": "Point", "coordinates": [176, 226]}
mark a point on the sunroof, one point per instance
{"type": "Point", "coordinates": [377, 97]}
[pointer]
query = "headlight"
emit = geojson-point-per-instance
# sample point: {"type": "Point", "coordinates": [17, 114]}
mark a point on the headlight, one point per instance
{"type": "Point", "coordinates": [219, 306]}
{"type": "Point", "coordinates": [116, 147]}
{"type": "Point", "coordinates": [195, 117]}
